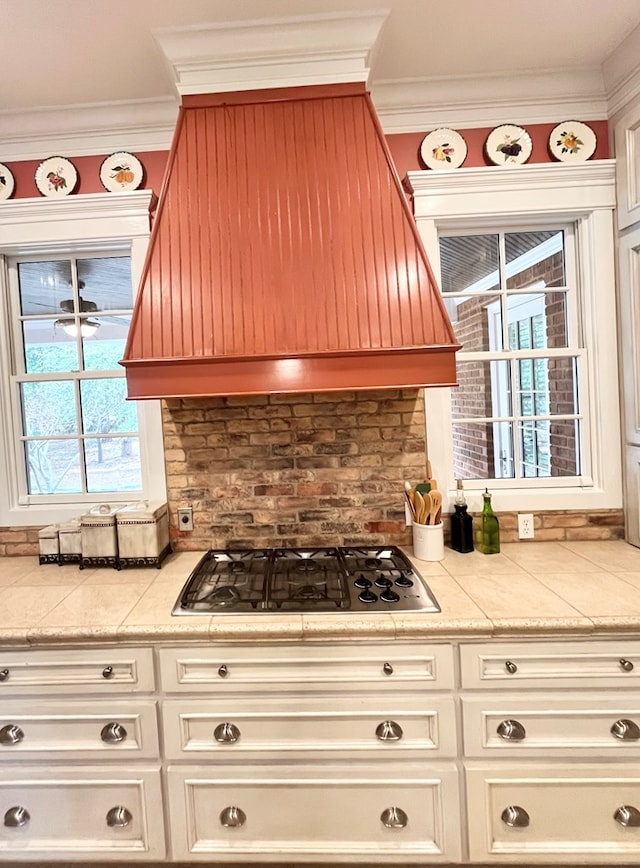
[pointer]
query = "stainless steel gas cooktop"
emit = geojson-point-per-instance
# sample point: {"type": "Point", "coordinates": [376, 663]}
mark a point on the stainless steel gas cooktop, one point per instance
{"type": "Point", "coordinates": [339, 579]}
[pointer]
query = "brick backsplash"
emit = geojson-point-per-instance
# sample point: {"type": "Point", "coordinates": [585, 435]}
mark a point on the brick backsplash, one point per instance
{"type": "Point", "coordinates": [316, 469]}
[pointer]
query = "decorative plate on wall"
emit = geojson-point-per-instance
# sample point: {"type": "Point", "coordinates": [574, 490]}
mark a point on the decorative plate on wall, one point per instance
{"type": "Point", "coordinates": [572, 141]}
{"type": "Point", "coordinates": [443, 149]}
{"type": "Point", "coordinates": [56, 176]}
{"type": "Point", "coordinates": [121, 171]}
{"type": "Point", "coordinates": [508, 144]}
{"type": "Point", "coordinates": [7, 182]}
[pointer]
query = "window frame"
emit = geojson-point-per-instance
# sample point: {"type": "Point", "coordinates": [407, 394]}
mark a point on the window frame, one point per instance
{"type": "Point", "coordinates": [539, 196]}
{"type": "Point", "coordinates": [77, 225]}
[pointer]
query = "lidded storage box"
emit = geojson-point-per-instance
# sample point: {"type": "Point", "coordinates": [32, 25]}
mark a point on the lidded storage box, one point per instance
{"type": "Point", "coordinates": [70, 540]}
{"type": "Point", "coordinates": [143, 534]}
{"type": "Point", "coordinates": [49, 544]}
{"type": "Point", "coordinates": [99, 539]}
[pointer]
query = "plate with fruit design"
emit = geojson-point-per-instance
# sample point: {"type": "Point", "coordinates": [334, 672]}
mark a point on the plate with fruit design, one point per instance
{"type": "Point", "coordinates": [572, 141]}
{"type": "Point", "coordinates": [443, 149]}
{"type": "Point", "coordinates": [7, 182]}
{"type": "Point", "coordinates": [56, 177]}
{"type": "Point", "coordinates": [508, 144]}
{"type": "Point", "coordinates": [121, 171]}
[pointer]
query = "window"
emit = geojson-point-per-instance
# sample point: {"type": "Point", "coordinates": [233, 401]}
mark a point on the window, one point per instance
{"type": "Point", "coordinates": [525, 261]}
{"type": "Point", "coordinates": [69, 438]}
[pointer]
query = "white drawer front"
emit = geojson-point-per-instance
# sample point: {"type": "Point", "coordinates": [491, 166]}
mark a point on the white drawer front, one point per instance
{"type": "Point", "coordinates": [246, 729]}
{"type": "Point", "coordinates": [299, 812]}
{"type": "Point", "coordinates": [69, 813]}
{"type": "Point", "coordinates": [547, 725]}
{"type": "Point", "coordinates": [336, 667]}
{"type": "Point", "coordinates": [551, 664]}
{"type": "Point", "coordinates": [61, 730]}
{"type": "Point", "coordinates": [54, 671]}
{"type": "Point", "coordinates": [556, 815]}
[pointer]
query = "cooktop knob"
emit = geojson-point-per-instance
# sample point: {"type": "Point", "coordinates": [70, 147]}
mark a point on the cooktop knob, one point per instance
{"type": "Point", "coordinates": [382, 582]}
{"type": "Point", "coordinates": [389, 596]}
{"type": "Point", "coordinates": [404, 581]}
{"type": "Point", "coordinates": [367, 597]}
{"type": "Point", "coordinates": [361, 582]}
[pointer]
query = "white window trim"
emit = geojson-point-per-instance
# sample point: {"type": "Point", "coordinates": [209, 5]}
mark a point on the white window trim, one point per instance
{"type": "Point", "coordinates": [583, 193]}
{"type": "Point", "coordinates": [74, 224]}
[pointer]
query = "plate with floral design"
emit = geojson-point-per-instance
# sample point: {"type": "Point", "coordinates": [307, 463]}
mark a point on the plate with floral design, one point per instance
{"type": "Point", "coordinates": [508, 144]}
{"type": "Point", "coordinates": [7, 182]}
{"type": "Point", "coordinates": [121, 171]}
{"type": "Point", "coordinates": [56, 176]}
{"type": "Point", "coordinates": [443, 149]}
{"type": "Point", "coordinates": [572, 141]}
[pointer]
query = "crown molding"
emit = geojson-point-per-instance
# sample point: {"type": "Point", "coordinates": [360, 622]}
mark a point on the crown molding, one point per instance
{"type": "Point", "coordinates": [83, 130]}
{"type": "Point", "coordinates": [468, 102]}
{"type": "Point", "coordinates": [621, 73]}
{"type": "Point", "coordinates": [268, 53]}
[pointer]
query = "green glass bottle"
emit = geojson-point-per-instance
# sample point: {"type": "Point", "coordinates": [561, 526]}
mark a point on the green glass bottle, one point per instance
{"type": "Point", "coordinates": [490, 529]}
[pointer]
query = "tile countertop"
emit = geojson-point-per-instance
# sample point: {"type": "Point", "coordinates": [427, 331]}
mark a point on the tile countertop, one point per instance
{"type": "Point", "coordinates": [529, 589]}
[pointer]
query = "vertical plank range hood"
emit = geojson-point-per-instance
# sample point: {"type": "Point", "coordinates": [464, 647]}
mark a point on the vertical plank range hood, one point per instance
{"type": "Point", "coordinates": [284, 256]}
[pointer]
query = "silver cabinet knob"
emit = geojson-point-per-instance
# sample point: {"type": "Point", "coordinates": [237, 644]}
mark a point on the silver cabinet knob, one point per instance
{"type": "Point", "coordinates": [4, 674]}
{"type": "Point", "coordinates": [394, 818]}
{"type": "Point", "coordinates": [515, 816]}
{"type": "Point", "coordinates": [511, 730]}
{"type": "Point", "coordinates": [387, 669]}
{"type": "Point", "coordinates": [113, 733]}
{"type": "Point", "coordinates": [11, 734]}
{"type": "Point", "coordinates": [16, 817]}
{"type": "Point", "coordinates": [626, 730]}
{"type": "Point", "coordinates": [119, 817]}
{"type": "Point", "coordinates": [510, 667]}
{"type": "Point", "coordinates": [627, 815]}
{"type": "Point", "coordinates": [627, 665]}
{"type": "Point", "coordinates": [107, 672]}
{"type": "Point", "coordinates": [389, 730]}
{"type": "Point", "coordinates": [233, 817]}
{"type": "Point", "coordinates": [226, 733]}
{"type": "Point", "coordinates": [223, 671]}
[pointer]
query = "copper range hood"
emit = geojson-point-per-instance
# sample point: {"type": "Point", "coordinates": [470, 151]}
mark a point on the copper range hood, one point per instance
{"type": "Point", "coordinates": [284, 256]}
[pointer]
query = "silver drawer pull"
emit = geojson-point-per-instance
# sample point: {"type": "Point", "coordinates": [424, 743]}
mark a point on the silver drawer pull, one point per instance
{"type": "Point", "coordinates": [627, 665]}
{"type": "Point", "coordinates": [107, 672]}
{"type": "Point", "coordinates": [389, 730]}
{"type": "Point", "coordinates": [626, 730]}
{"type": "Point", "coordinates": [627, 815]}
{"type": "Point", "coordinates": [11, 734]}
{"type": "Point", "coordinates": [4, 674]}
{"type": "Point", "coordinates": [226, 733]}
{"type": "Point", "coordinates": [515, 816]}
{"type": "Point", "coordinates": [113, 733]}
{"type": "Point", "coordinates": [511, 730]}
{"type": "Point", "coordinates": [394, 818]}
{"type": "Point", "coordinates": [233, 817]}
{"type": "Point", "coordinates": [16, 817]}
{"type": "Point", "coordinates": [510, 667]}
{"type": "Point", "coordinates": [387, 669]}
{"type": "Point", "coordinates": [223, 671]}
{"type": "Point", "coordinates": [119, 817]}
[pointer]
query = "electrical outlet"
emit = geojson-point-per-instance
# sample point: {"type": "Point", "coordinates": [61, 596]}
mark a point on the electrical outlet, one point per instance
{"type": "Point", "coordinates": [525, 525]}
{"type": "Point", "coordinates": [185, 518]}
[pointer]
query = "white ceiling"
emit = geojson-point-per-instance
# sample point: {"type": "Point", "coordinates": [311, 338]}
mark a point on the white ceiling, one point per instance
{"type": "Point", "coordinates": [71, 52]}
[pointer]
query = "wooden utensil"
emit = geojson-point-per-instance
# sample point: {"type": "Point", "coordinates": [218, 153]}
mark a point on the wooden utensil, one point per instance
{"type": "Point", "coordinates": [420, 506]}
{"type": "Point", "coordinates": [435, 506]}
{"type": "Point", "coordinates": [409, 495]}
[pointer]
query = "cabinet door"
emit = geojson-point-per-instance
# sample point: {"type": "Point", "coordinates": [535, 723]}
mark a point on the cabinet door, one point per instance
{"type": "Point", "coordinates": [629, 324]}
{"type": "Point", "coordinates": [541, 813]}
{"type": "Point", "coordinates": [492, 665]}
{"type": "Point", "coordinates": [627, 141]}
{"type": "Point", "coordinates": [391, 727]}
{"type": "Point", "coordinates": [55, 671]}
{"type": "Point", "coordinates": [336, 667]}
{"type": "Point", "coordinates": [57, 729]}
{"type": "Point", "coordinates": [542, 725]}
{"type": "Point", "coordinates": [87, 813]}
{"type": "Point", "coordinates": [285, 813]}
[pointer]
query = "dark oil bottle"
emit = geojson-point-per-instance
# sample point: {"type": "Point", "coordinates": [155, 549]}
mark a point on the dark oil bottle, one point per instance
{"type": "Point", "coordinates": [461, 523]}
{"type": "Point", "coordinates": [490, 529]}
